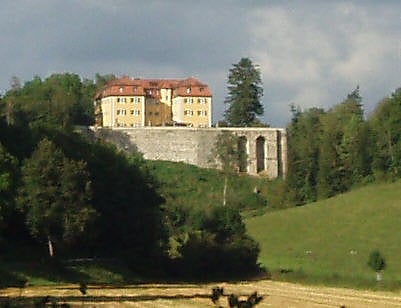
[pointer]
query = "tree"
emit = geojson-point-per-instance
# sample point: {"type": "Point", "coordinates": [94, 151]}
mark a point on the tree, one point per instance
{"type": "Point", "coordinates": [384, 123]}
{"type": "Point", "coordinates": [55, 195]}
{"type": "Point", "coordinates": [377, 263]}
{"type": "Point", "coordinates": [304, 140]}
{"type": "Point", "coordinates": [343, 155]}
{"type": "Point", "coordinates": [8, 180]}
{"type": "Point", "coordinates": [220, 247]}
{"type": "Point", "coordinates": [61, 100]}
{"type": "Point", "coordinates": [228, 153]}
{"type": "Point", "coordinates": [244, 94]}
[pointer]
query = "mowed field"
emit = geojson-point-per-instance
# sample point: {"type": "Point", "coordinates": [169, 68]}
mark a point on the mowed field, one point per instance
{"type": "Point", "coordinates": [276, 294]}
{"type": "Point", "coordinates": [329, 242]}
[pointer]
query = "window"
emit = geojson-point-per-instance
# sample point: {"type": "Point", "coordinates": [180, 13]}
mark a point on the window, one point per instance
{"type": "Point", "coordinates": [201, 100]}
{"type": "Point", "coordinates": [135, 100]}
{"type": "Point", "coordinates": [156, 113]}
{"type": "Point", "coordinates": [137, 112]}
{"type": "Point", "coordinates": [189, 113]}
{"type": "Point", "coordinates": [150, 113]}
{"type": "Point", "coordinates": [121, 89]}
{"type": "Point", "coordinates": [121, 112]}
{"type": "Point", "coordinates": [188, 100]}
{"type": "Point", "coordinates": [188, 90]}
{"type": "Point", "coordinates": [202, 113]}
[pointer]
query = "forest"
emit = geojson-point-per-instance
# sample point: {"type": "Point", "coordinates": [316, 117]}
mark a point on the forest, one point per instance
{"type": "Point", "coordinates": [67, 196]}
{"type": "Point", "coordinates": [333, 151]}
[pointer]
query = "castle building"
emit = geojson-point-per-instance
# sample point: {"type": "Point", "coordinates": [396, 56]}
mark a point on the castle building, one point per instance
{"type": "Point", "coordinates": [131, 102]}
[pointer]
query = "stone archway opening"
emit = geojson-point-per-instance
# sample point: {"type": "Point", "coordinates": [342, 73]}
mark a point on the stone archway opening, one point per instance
{"type": "Point", "coordinates": [260, 154]}
{"type": "Point", "coordinates": [242, 154]}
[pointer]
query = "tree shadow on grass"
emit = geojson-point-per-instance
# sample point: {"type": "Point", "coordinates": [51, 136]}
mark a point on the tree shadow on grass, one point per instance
{"type": "Point", "coordinates": [31, 301]}
{"type": "Point", "coordinates": [8, 279]}
{"type": "Point", "coordinates": [15, 274]}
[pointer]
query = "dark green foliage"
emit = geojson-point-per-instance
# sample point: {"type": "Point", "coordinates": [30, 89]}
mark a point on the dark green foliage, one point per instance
{"type": "Point", "coordinates": [55, 195]}
{"type": "Point", "coordinates": [376, 261]}
{"type": "Point", "coordinates": [204, 257]}
{"type": "Point", "coordinates": [60, 100]}
{"type": "Point", "coordinates": [328, 151]}
{"type": "Point", "coordinates": [223, 222]}
{"type": "Point", "coordinates": [343, 155]}
{"type": "Point", "coordinates": [385, 127]}
{"type": "Point", "coordinates": [8, 186]}
{"type": "Point", "coordinates": [244, 94]}
{"type": "Point", "coordinates": [304, 140]}
{"type": "Point", "coordinates": [218, 247]}
{"type": "Point", "coordinates": [128, 204]}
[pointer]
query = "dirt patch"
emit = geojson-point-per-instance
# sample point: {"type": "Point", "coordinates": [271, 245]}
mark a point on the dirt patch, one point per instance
{"type": "Point", "coordinates": [276, 294]}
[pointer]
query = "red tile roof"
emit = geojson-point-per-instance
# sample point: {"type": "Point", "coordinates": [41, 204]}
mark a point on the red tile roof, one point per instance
{"type": "Point", "coordinates": [126, 86]}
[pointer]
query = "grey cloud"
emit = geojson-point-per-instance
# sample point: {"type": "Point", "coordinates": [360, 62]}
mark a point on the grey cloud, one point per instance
{"type": "Point", "coordinates": [310, 53]}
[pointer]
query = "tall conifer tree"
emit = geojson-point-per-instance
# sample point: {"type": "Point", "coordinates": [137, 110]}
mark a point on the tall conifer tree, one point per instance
{"type": "Point", "coordinates": [244, 94]}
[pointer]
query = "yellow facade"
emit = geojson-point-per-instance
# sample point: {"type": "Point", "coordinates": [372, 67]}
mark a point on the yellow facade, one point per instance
{"type": "Point", "coordinates": [122, 111]}
{"type": "Point", "coordinates": [155, 103]}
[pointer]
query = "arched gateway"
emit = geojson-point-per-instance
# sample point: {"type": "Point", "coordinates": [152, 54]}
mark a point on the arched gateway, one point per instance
{"type": "Point", "coordinates": [265, 148]}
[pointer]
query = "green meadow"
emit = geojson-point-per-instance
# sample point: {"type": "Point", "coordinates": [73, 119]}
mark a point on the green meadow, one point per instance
{"type": "Point", "coordinates": [329, 242]}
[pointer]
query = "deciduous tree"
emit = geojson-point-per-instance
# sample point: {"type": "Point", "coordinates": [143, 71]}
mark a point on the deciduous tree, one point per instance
{"type": "Point", "coordinates": [55, 195]}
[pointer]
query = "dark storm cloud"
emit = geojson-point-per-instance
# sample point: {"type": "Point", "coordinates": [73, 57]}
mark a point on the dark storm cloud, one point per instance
{"type": "Point", "coordinates": [311, 53]}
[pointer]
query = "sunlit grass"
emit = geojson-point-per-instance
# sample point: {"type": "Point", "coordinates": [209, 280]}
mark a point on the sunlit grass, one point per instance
{"type": "Point", "coordinates": [330, 241]}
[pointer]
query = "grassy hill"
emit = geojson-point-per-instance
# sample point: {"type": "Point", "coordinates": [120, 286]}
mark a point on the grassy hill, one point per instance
{"type": "Point", "coordinates": [329, 242]}
{"type": "Point", "coordinates": [198, 187]}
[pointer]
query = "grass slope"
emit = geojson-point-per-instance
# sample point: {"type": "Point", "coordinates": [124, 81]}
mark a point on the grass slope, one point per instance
{"type": "Point", "coordinates": [330, 241]}
{"type": "Point", "coordinates": [198, 187]}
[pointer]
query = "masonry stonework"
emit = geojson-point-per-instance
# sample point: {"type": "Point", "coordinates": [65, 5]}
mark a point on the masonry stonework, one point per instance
{"type": "Point", "coordinates": [266, 148]}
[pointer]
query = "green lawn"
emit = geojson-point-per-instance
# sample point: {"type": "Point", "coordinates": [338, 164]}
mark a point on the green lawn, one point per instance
{"type": "Point", "coordinates": [329, 242]}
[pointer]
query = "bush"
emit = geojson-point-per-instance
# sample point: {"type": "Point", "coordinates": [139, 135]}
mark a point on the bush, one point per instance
{"type": "Point", "coordinates": [203, 257]}
{"type": "Point", "coordinates": [377, 263]}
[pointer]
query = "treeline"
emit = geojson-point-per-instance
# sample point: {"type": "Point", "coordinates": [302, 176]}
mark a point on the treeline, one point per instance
{"type": "Point", "coordinates": [329, 152]}
{"type": "Point", "coordinates": [80, 197]}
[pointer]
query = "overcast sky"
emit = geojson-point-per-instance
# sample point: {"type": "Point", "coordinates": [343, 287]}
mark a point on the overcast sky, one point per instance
{"type": "Point", "coordinates": [310, 53]}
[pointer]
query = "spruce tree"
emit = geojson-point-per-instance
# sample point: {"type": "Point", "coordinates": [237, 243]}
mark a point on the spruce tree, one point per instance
{"type": "Point", "coordinates": [244, 94]}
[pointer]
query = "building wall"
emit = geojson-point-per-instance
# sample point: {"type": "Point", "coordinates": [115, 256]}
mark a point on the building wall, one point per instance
{"type": "Point", "coordinates": [122, 111]}
{"type": "Point", "coordinates": [195, 145]}
{"type": "Point", "coordinates": [164, 102]}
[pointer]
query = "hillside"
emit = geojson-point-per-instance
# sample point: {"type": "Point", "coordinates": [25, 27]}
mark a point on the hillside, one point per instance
{"type": "Point", "coordinates": [330, 241]}
{"type": "Point", "coordinates": [199, 187]}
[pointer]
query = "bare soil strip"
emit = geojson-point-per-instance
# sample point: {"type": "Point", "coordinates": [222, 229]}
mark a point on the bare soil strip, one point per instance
{"type": "Point", "coordinates": [276, 294]}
